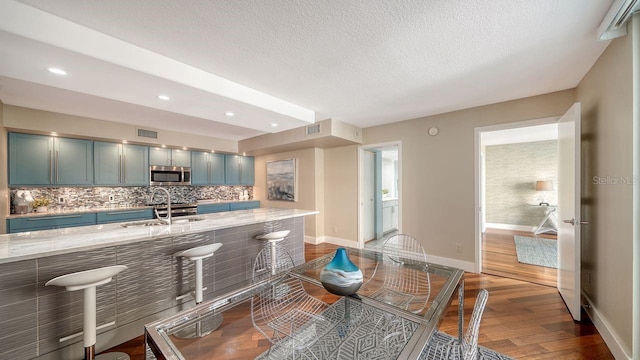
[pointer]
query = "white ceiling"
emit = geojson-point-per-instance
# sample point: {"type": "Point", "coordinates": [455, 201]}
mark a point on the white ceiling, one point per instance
{"type": "Point", "coordinates": [364, 62]}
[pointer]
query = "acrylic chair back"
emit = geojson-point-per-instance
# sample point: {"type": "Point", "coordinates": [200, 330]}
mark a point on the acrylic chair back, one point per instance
{"type": "Point", "coordinates": [282, 306]}
{"type": "Point", "coordinates": [470, 340]}
{"type": "Point", "coordinates": [405, 287]}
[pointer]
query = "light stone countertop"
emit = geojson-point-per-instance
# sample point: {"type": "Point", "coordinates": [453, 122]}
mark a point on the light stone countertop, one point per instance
{"type": "Point", "coordinates": [38, 244]}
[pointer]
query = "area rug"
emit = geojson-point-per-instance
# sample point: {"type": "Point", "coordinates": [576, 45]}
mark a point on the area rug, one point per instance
{"type": "Point", "coordinates": [443, 339]}
{"type": "Point", "coordinates": [537, 251]}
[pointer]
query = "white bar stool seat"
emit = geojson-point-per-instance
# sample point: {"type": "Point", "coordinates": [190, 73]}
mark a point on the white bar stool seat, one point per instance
{"type": "Point", "coordinates": [197, 254]}
{"type": "Point", "coordinates": [88, 280]}
{"type": "Point", "coordinates": [273, 238]}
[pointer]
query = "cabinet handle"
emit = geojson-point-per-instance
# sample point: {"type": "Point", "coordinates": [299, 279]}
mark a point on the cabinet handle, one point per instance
{"type": "Point", "coordinates": [50, 167]}
{"type": "Point", "coordinates": [209, 175]}
{"type": "Point", "coordinates": [124, 167]}
{"type": "Point", "coordinates": [57, 170]}
{"type": "Point", "coordinates": [55, 217]}
{"type": "Point", "coordinates": [120, 159]}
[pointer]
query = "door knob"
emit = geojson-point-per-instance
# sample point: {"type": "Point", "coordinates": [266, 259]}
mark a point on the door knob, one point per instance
{"type": "Point", "coordinates": [572, 221]}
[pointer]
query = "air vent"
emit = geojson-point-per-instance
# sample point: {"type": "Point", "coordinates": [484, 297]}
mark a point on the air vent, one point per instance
{"type": "Point", "coordinates": [147, 133]}
{"type": "Point", "coordinates": [313, 129]}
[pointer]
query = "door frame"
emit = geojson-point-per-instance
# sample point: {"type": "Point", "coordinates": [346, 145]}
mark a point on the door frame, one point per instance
{"type": "Point", "coordinates": [361, 150]}
{"type": "Point", "coordinates": [477, 168]}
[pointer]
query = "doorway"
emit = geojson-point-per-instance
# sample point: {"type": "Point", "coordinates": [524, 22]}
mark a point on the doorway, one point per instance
{"type": "Point", "coordinates": [516, 178]}
{"type": "Point", "coordinates": [380, 193]}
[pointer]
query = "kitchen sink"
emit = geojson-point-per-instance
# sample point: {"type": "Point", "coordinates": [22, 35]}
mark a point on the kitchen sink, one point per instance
{"type": "Point", "coordinates": [143, 223]}
{"type": "Point", "coordinates": [187, 220]}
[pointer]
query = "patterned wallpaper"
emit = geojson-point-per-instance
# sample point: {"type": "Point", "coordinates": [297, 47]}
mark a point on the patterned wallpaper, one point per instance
{"type": "Point", "coordinates": [511, 172]}
{"type": "Point", "coordinates": [92, 197]}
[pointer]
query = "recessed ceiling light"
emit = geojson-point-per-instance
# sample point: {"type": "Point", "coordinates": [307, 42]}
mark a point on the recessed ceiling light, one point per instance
{"type": "Point", "coordinates": [163, 146]}
{"type": "Point", "coordinates": [244, 153]}
{"type": "Point", "coordinates": [229, 113]}
{"type": "Point", "coordinates": [57, 71]}
{"type": "Point", "coordinates": [213, 151]}
{"type": "Point", "coordinates": [164, 97]}
{"type": "Point", "coordinates": [184, 148]}
{"type": "Point", "coordinates": [53, 133]}
{"type": "Point", "coordinates": [274, 125]}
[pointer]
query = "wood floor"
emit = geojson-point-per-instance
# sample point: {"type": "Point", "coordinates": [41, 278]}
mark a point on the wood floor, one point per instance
{"type": "Point", "coordinates": [521, 320]}
{"type": "Point", "coordinates": [499, 258]}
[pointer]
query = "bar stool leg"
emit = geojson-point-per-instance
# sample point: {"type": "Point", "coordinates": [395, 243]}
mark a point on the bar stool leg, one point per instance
{"type": "Point", "coordinates": [89, 329]}
{"type": "Point", "coordinates": [199, 281]}
{"type": "Point", "coordinates": [273, 257]}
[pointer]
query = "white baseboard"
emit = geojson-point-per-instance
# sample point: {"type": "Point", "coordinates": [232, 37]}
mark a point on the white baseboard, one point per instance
{"type": "Point", "coordinates": [608, 334]}
{"type": "Point", "coordinates": [510, 227]}
{"type": "Point", "coordinates": [460, 264]}
{"type": "Point", "coordinates": [331, 240]}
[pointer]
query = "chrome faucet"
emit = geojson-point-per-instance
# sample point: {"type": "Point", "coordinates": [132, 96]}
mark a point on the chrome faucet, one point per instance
{"type": "Point", "coordinates": [166, 219]}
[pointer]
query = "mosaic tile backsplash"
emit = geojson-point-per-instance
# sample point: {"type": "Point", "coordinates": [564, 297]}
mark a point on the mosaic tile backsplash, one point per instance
{"type": "Point", "coordinates": [99, 197]}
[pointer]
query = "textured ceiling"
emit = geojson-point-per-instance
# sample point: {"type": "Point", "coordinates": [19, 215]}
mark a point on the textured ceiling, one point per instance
{"type": "Point", "coordinates": [364, 62]}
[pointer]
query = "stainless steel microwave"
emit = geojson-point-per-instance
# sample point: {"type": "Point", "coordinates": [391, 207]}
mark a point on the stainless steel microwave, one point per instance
{"type": "Point", "coordinates": [169, 175]}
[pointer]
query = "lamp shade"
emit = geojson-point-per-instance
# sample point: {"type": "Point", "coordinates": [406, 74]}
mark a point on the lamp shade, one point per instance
{"type": "Point", "coordinates": [544, 185]}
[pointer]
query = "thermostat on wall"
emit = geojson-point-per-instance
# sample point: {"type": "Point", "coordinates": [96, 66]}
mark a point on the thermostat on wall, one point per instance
{"type": "Point", "coordinates": [433, 131]}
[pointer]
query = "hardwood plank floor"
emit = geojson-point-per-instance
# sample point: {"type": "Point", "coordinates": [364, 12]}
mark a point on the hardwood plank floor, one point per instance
{"type": "Point", "coordinates": [499, 258]}
{"type": "Point", "coordinates": [522, 320]}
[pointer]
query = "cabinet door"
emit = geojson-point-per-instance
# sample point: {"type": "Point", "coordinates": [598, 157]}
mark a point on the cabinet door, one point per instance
{"type": "Point", "coordinates": [74, 160]}
{"type": "Point", "coordinates": [123, 215]}
{"type": "Point", "coordinates": [181, 157]}
{"type": "Point", "coordinates": [136, 165]}
{"type": "Point", "coordinates": [200, 168]}
{"type": "Point", "coordinates": [159, 156]}
{"type": "Point", "coordinates": [232, 169]}
{"type": "Point", "coordinates": [212, 208]}
{"type": "Point", "coordinates": [30, 159]}
{"type": "Point", "coordinates": [107, 164]}
{"type": "Point", "coordinates": [217, 169]}
{"type": "Point", "coordinates": [244, 205]}
{"type": "Point", "coordinates": [247, 172]}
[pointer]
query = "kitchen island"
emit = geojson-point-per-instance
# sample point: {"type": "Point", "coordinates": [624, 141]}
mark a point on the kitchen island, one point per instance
{"type": "Point", "coordinates": [38, 316]}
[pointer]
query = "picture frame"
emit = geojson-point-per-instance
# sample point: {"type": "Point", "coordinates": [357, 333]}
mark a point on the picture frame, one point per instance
{"type": "Point", "coordinates": [281, 180]}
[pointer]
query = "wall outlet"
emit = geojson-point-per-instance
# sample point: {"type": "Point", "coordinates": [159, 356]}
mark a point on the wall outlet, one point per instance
{"type": "Point", "coordinates": [60, 200]}
{"type": "Point", "coordinates": [111, 198]}
{"type": "Point", "coordinates": [588, 279]}
{"type": "Point", "coordinates": [458, 248]}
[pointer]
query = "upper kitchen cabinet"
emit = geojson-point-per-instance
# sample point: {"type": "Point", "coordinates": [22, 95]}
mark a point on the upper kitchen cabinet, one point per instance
{"type": "Point", "coordinates": [207, 168]}
{"type": "Point", "coordinates": [169, 157]}
{"type": "Point", "coordinates": [121, 164]}
{"type": "Point", "coordinates": [239, 170]}
{"type": "Point", "coordinates": [46, 160]}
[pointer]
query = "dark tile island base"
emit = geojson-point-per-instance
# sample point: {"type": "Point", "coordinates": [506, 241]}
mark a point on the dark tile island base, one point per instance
{"type": "Point", "coordinates": [33, 317]}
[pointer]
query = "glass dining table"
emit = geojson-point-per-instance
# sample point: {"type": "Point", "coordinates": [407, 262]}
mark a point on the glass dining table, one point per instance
{"type": "Point", "coordinates": [393, 315]}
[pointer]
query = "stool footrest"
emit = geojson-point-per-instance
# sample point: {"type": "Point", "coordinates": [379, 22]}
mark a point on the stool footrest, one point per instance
{"type": "Point", "coordinates": [191, 293]}
{"type": "Point", "coordinates": [63, 339]}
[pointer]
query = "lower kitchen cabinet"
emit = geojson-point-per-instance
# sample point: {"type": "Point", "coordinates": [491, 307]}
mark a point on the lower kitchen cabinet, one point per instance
{"type": "Point", "coordinates": [49, 222]}
{"type": "Point", "coordinates": [244, 205]}
{"type": "Point", "coordinates": [212, 208]}
{"type": "Point", "coordinates": [124, 215]}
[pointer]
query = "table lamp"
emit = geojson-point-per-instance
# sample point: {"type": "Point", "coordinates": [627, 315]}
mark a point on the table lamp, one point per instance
{"type": "Point", "coordinates": [544, 185]}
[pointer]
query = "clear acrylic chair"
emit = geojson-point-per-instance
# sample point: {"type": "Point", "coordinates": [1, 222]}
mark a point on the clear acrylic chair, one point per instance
{"type": "Point", "coordinates": [446, 347]}
{"type": "Point", "coordinates": [282, 310]}
{"type": "Point", "coordinates": [404, 287]}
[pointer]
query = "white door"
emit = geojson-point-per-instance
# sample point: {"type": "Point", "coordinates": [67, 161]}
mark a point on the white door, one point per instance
{"type": "Point", "coordinates": [368, 196]}
{"type": "Point", "coordinates": [569, 209]}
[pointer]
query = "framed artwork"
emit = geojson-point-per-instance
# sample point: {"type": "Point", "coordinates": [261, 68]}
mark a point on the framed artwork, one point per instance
{"type": "Point", "coordinates": [281, 180]}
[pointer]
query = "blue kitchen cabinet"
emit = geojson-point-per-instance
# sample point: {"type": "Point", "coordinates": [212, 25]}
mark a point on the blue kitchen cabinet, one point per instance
{"type": "Point", "coordinates": [212, 208]}
{"type": "Point", "coordinates": [46, 160]}
{"type": "Point", "coordinates": [49, 222]}
{"type": "Point", "coordinates": [121, 164]}
{"type": "Point", "coordinates": [239, 170]}
{"type": "Point", "coordinates": [124, 215]}
{"type": "Point", "coordinates": [244, 205]}
{"type": "Point", "coordinates": [169, 157]}
{"type": "Point", "coordinates": [207, 168]}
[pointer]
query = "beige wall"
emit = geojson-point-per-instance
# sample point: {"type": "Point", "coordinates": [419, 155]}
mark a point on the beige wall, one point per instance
{"type": "Point", "coordinates": [607, 107]}
{"type": "Point", "coordinates": [437, 173]}
{"type": "Point", "coordinates": [31, 120]}
{"type": "Point", "coordinates": [309, 183]}
{"type": "Point", "coordinates": [4, 181]}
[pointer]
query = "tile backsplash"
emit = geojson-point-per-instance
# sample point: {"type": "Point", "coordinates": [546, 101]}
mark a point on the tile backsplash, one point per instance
{"type": "Point", "coordinates": [94, 197]}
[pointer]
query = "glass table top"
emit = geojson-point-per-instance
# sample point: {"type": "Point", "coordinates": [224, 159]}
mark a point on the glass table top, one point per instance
{"type": "Point", "coordinates": [385, 322]}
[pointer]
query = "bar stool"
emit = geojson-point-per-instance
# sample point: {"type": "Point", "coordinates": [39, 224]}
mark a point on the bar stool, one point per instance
{"type": "Point", "coordinates": [273, 238]}
{"type": "Point", "coordinates": [88, 280]}
{"type": "Point", "coordinates": [205, 326]}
